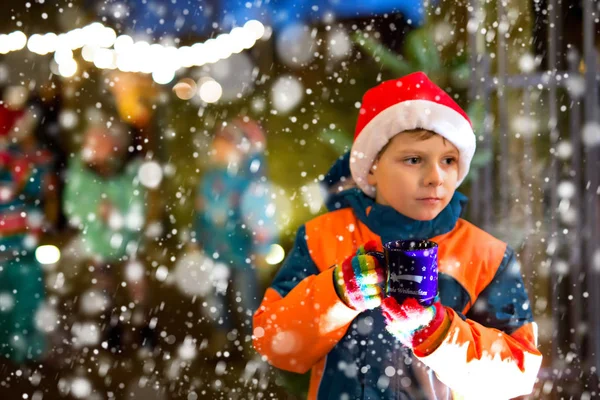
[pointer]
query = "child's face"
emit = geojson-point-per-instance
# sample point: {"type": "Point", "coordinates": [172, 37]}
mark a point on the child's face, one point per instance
{"type": "Point", "coordinates": [102, 151]}
{"type": "Point", "coordinates": [414, 176]}
{"type": "Point", "coordinates": [224, 151]}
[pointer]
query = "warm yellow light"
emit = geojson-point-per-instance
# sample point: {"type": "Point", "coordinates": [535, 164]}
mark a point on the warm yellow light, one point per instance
{"type": "Point", "coordinates": [256, 27]}
{"type": "Point", "coordinates": [47, 254]}
{"type": "Point", "coordinates": [67, 68]}
{"type": "Point", "coordinates": [210, 91]}
{"type": "Point", "coordinates": [276, 255]}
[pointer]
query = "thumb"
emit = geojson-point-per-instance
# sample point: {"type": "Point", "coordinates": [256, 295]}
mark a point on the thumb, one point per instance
{"type": "Point", "coordinates": [371, 245]}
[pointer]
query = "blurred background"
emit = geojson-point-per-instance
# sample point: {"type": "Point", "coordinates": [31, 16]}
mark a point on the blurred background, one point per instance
{"type": "Point", "coordinates": [136, 134]}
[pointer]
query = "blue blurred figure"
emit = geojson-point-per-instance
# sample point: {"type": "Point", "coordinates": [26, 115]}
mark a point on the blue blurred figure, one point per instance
{"type": "Point", "coordinates": [234, 223]}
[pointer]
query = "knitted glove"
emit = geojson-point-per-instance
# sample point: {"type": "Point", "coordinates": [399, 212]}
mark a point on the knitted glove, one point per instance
{"type": "Point", "coordinates": [358, 279]}
{"type": "Point", "coordinates": [411, 323]}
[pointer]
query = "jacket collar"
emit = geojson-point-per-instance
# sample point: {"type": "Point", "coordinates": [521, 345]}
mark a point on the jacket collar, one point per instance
{"type": "Point", "coordinates": [391, 225]}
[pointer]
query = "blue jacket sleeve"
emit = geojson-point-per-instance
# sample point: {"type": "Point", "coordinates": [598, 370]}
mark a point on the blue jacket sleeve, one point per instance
{"type": "Point", "coordinates": [297, 266]}
{"type": "Point", "coordinates": [503, 304]}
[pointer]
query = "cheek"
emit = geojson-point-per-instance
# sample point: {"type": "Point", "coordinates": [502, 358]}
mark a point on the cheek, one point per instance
{"type": "Point", "coordinates": [398, 183]}
{"type": "Point", "coordinates": [400, 176]}
{"type": "Point", "coordinates": [452, 176]}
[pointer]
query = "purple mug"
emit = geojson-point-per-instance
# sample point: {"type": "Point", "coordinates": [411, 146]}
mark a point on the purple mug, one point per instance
{"type": "Point", "coordinates": [412, 270]}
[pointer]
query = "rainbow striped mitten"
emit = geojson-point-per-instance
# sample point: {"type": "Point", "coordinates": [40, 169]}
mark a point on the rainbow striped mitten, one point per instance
{"type": "Point", "coordinates": [411, 323]}
{"type": "Point", "coordinates": [358, 279]}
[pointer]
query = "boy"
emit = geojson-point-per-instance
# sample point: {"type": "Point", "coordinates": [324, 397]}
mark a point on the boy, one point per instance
{"type": "Point", "coordinates": [106, 202]}
{"type": "Point", "coordinates": [232, 223]}
{"type": "Point", "coordinates": [325, 309]}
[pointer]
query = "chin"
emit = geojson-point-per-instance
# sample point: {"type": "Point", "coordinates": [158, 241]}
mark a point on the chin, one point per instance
{"type": "Point", "coordinates": [417, 211]}
{"type": "Point", "coordinates": [425, 215]}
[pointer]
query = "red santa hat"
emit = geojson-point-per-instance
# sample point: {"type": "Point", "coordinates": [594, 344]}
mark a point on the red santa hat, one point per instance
{"type": "Point", "coordinates": [411, 102]}
{"type": "Point", "coordinates": [8, 118]}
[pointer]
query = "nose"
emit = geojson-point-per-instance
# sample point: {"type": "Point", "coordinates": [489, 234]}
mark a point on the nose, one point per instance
{"type": "Point", "coordinates": [434, 176]}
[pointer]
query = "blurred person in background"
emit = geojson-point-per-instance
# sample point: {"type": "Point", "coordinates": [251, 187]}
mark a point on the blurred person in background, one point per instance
{"type": "Point", "coordinates": [233, 226]}
{"type": "Point", "coordinates": [49, 134]}
{"type": "Point", "coordinates": [28, 209]}
{"type": "Point", "coordinates": [106, 203]}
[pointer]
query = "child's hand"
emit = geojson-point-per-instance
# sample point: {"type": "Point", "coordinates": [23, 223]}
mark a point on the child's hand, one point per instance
{"type": "Point", "coordinates": [357, 280]}
{"type": "Point", "coordinates": [411, 323]}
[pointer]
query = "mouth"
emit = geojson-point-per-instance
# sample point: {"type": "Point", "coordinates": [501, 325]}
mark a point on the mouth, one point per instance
{"type": "Point", "coordinates": [430, 200]}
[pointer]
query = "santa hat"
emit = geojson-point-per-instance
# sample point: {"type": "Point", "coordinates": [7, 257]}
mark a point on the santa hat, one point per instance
{"type": "Point", "coordinates": [8, 118]}
{"type": "Point", "coordinates": [411, 102]}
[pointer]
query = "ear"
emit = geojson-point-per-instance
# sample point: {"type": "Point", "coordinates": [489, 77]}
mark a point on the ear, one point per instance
{"type": "Point", "coordinates": [372, 177]}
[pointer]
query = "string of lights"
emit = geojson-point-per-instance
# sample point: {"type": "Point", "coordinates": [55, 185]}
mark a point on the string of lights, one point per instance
{"type": "Point", "coordinates": [101, 46]}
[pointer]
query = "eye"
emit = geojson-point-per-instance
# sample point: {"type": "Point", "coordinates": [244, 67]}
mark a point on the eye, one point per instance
{"type": "Point", "coordinates": [450, 160]}
{"type": "Point", "coordinates": [412, 160]}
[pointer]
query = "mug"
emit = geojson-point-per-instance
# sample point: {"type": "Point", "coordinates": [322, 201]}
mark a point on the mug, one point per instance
{"type": "Point", "coordinates": [412, 270]}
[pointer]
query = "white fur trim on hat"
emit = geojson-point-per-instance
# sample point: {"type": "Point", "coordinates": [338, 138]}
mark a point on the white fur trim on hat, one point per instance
{"type": "Point", "coordinates": [411, 114]}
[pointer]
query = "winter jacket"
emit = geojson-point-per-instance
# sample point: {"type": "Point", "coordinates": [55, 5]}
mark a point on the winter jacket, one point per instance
{"type": "Point", "coordinates": [24, 183]}
{"type": "Point", "coordinates": [85, 190]}
{"type": "Point", "coordinates": [234, 221]}
{"type": "Point", "coordinates": [489, 352]}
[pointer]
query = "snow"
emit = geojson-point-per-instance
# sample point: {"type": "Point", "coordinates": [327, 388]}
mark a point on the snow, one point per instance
{"type": "Point", "coordinates": [566, 189]}
{"type": "Point", "coordinates": [7, 302]}
{"type": "Point", "coordinates": [81, 388]}
{"type": "Point", "coordinates": [150, 174]}
{"type": "Point", "coordinates": [93, 302]}
{"type": "Point", "coordinates": [286, 93]}
{"type": "Point", "coordinates": [339, 44]}
{"type": "Point", "coordinates": [46, 318]}
{"type": "Point", "coordinates": [473, 378]}
{"type": "Point", "coordinates": [286, 342]}
{"type": "Point", "coordinates": [187, 350]}
{"type": "Point", "coordinates": [68, 119]}
{"type": "Point", "coordinates": [161, 273]}
{"type": "Point", "coordinates": [134, 271]}
{"type": "Point", "coordinates": [296, 45]}
{"type": "Point", "coordinates": [527, 63]}
{"type": "Point", "coordinates": [85, 334]}
{"type": "Point", "coordinates": [306, 80]}
{"type": "Point", "coordinates": [193, 272]}
{"type": "Point", "coordinates": [591, 135]}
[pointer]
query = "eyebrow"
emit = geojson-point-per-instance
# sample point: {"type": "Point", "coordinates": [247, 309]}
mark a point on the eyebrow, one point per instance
{"type": "Point", "coordinates": [408, 151]}
{"type": "Point", "coordinates": [420, 152]}
{"type": "Point", "coordinates": [453, 152]}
